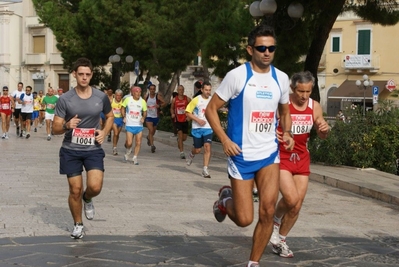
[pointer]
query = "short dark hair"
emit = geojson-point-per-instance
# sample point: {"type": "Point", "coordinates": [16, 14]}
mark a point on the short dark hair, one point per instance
{"type": "Point", "coordinates": [206, 83]}
{"type": "Point", "coordinates": [260, 31]}
{"type": "Point", "coordinates": [21, 83]}
{"type": "Point", "coordinates": [30, 87]}
{"type": "Point", "coordinates": [82, 62]}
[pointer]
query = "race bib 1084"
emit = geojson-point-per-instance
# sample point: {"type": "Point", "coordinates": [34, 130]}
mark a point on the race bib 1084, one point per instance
{"type": "Point", "coordinates": [301, 123]}
{"type": "Point", "coordinates": [84, 136]}
{"type": "Point", "coordinates": [261, 121]}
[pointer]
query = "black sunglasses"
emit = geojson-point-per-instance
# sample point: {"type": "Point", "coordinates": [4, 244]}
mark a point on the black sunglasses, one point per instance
{"type": "Point", "coordinates": [263, 48]}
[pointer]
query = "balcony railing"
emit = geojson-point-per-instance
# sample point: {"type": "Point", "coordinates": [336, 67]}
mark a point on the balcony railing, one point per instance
{"type": "Point", "coordinates": [35, 59]}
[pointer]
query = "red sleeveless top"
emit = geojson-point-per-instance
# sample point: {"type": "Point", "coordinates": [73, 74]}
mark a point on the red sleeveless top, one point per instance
{"type": "Point", "coordinates": [180, 108]}
{"type": "Point", "coordinates": [302, 123]}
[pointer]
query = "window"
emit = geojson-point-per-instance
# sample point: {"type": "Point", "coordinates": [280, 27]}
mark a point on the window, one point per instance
{"type": "Point", "coordinates": [39, 44]}
{"type": "Point", "coordinates": [336, 42]}
{"type": "Point", "coordinates": [363, 42]}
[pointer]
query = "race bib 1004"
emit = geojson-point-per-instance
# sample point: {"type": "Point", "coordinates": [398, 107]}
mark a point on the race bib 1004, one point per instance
{"type": "Point", "coordinates": [82, 136]}
{"type": "Point", "coordinates": [261, 121]}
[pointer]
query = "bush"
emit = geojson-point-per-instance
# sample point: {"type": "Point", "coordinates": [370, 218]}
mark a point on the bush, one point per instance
{"type": "Point", "coordinates": [370, 141]}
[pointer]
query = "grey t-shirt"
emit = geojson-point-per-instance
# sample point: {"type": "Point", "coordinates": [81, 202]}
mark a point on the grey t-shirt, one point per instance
{"type": "Point", "coordinates": [88, 110]}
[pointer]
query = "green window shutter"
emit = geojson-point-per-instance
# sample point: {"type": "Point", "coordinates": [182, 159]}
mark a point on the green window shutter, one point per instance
{"type": "Point", "coordinates": [363, 42]}
{"type": "Point", "coordinates": [335, 44]}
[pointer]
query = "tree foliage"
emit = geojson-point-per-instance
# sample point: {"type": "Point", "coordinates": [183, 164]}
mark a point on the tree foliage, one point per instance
{"type": "Point", "coordinates": [166, 35]}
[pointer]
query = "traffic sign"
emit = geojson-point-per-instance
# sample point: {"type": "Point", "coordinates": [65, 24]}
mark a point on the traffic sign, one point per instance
{"type": "Point", "coordinates": [375, 90]}
{"type": "Point", "coordinates": [375, 94]}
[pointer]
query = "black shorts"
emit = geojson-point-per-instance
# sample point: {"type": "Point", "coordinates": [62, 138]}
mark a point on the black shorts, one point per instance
{"type": "Point", "coordinates": [17, 111]}
{"type": "Point", "coordinates": [26, 116]}
{"type": "Point", "coordinates": [182, 126]}
{"type": "Point", "coordinates": [72, 161]}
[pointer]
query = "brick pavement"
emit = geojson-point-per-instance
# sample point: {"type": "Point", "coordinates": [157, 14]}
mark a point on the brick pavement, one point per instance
{"type": "Point", "coordinates": [160, 214]}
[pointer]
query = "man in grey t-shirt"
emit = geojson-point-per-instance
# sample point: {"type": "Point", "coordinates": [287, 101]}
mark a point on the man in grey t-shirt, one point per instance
{"type": "Point", "coordinates": [77, 114]}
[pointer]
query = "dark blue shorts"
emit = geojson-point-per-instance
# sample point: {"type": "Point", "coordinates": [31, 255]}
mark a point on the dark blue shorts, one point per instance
{"type": "Point", "coordinates": [154, 121]}
{"type": "Point", "coordinates": [73, 161]}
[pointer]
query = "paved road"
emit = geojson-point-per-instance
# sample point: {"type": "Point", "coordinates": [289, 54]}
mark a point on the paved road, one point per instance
{"type": "Point", "coordinates": [159, 213]}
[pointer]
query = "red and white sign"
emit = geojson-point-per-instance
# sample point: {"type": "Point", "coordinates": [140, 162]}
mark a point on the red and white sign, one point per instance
{"type": "Point", "coordinates": [391, 85]}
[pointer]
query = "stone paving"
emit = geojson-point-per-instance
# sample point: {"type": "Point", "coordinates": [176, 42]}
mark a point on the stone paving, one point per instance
{"type": "Point", "coordinates": [159, 213]}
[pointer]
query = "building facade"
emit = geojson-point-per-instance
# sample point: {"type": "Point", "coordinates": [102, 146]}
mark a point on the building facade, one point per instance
{"type": "Point", "coordinates": [356, 48]}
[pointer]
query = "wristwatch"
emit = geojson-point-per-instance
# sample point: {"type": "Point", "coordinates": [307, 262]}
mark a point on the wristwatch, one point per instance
{"type": "Point", "coordinates": [290, 132]}
{"type": "Point", "coordinates": [64, 127]}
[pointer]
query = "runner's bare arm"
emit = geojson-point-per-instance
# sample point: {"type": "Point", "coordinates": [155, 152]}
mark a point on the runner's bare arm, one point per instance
{"type": "Point", "coordinates": [286, 123]}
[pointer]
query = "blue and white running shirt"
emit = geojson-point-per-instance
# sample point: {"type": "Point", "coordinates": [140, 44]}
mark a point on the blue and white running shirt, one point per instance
{"type": "Point", "coordinates": [253, 102]}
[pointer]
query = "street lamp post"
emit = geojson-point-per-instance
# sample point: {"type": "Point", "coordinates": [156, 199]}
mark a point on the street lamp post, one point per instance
{"type": "Point", "coordinates": [366, 84]}
{"type": "Point", "coordinates": [117, 65]}
{"type": "Point", "coordinates": [266, 9]}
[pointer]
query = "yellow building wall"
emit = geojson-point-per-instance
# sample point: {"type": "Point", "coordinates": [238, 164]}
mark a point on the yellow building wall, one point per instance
{"type": "Point", "coordinates": [384, 54]}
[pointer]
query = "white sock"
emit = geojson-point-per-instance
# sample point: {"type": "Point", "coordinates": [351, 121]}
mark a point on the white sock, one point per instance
{"type": "Point", "coordinates": [277, 220]}
{"type": "Point", "coordinates": [283, 237]}
{"type": "Point", "coordinates": [251, 262]}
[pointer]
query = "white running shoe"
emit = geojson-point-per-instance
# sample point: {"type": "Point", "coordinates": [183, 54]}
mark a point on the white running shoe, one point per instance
{"type": "Point", "coordinates": [3, 136]}
{"type": "Point", "coordinates": [205, 173]}
{"type": "Point", "coordinates": [189, 159]}
{"type": "Point", "coordinates": [283, 250]}
{"type": "Point", "coordinates": [77, 232]}
{"type": "Point", "coordinates": [89, 209]}
{"type": "Point", "coordinates": [275, 238]}
{"type": "Point", "coordinates": [135, 161]}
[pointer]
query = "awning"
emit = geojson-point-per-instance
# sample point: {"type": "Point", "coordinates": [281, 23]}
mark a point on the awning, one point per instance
{"type": "Point", "coordinates": [349, 90]}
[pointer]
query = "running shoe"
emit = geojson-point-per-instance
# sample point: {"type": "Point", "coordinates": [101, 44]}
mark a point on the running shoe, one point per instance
{"type": "Point", "coordinates": [283, 250]}
{"type": "Point", "coordinates": [21, 134]}
{"type": "Point", "coordinates": [218, 209]}
{"type": "Point", "coordinates": [6, 136]}
{"type": "Point", "coordinates": [48, 138]}
{"type": "Point", "coordinates": [27, 135]}
{"type": "Point", "coordinates": [190, 159]}
{"type": "Point", "coordinates": [148, 141]}
{"type": "Point", "coordinates": [135, 161]}
{"type": "Point", "coordinates": [182, 155]}
{"type": "Point", "coordinates": [114, 151]}
{"type": "Point", "coordinates": [17, 130]}
{"type": "Point", "coordinates": [35, 130]}
{"type": "Point", "coordinates": [153, 149]}
{"type": "Point", "coordinates": [89, 209]}
{"type": "Point", "coordinates": [109, 138]}
{"type": "Point", "coordinates": [125, 158]}
{"type": "Point", "coordinates": [77, 232]}
{"type": "Point", "coordinates": [255, 195]}
{"type": "Point", "coordinates": [275, 238]}
{"type": "Point", "coordinates": [205, 173]}
{"type": "Point", "coordinates": [3, 136]}
{"type": "Point", "coordinates": [254, 265]}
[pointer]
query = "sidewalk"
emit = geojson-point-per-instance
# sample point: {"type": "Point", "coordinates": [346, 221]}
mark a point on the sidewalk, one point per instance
{"type": "Point", "coordinates": [365, 182]}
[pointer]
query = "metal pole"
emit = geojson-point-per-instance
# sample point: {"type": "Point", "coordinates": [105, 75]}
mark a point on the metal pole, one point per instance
{"type": "Point", "coordinates": [364, 101]}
